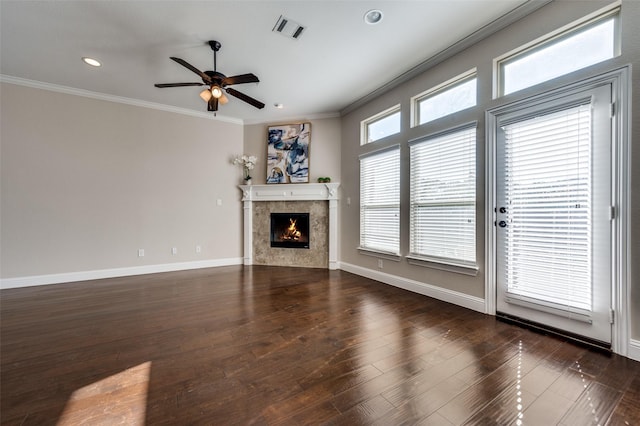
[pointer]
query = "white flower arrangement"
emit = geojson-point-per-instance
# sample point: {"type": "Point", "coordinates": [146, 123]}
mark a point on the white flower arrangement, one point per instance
{"type": "Point", "coordinates": [248, 162]}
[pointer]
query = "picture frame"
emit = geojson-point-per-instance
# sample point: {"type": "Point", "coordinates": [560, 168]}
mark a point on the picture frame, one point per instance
{"type": "Point", "coordinates": [288, 153]}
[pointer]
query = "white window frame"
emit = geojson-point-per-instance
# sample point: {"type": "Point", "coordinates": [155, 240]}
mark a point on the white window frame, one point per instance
{"type": "Point", "coordinates": [621, 158]}
{"type": "Point", "coordinates": [364, 124]}
{"type": "Point", "coordinates": [437, 90]}
{"type": "Point", "coordinates": [563, 33]}
{"type": "Point", "coordinates": [464, 266]}
{"type": "Point", "coordinates": [370, 249]}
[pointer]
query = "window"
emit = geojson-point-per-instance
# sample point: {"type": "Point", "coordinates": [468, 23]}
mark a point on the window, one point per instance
{"type": "Point", "coordinates": [443, 197]}
{"type": "Point", "coordinates": [452, 96]}
{"type": "Point", "coordinates": [558, 54]}
{"type": "Point", "coordinates": [380, 201]}
{"type": "Point", "coordinates": [381, 125]}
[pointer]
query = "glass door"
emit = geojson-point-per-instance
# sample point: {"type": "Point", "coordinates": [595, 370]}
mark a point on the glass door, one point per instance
{"type": "Point", "coordinates": [553, 224]}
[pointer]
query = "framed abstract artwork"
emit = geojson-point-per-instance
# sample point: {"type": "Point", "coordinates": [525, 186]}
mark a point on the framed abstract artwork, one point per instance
{"type": "Point", "coordinates": [288, 153]}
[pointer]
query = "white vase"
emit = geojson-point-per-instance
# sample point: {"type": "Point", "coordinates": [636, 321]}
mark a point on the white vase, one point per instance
{"type": "Point", "coordinates": [247, 181]}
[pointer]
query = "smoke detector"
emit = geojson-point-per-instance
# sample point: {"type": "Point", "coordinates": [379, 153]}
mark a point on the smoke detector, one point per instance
{"type": "Point", "coordinates": [288, 28]}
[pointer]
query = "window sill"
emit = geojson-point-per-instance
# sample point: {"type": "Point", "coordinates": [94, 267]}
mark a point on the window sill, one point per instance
{"type": "Point", "coordinates": [381, 254]}
{"type": "Point", "coordinates": [458, 268]}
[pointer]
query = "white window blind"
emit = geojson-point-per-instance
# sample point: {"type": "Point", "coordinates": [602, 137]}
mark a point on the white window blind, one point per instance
{"type": "Point", "coordinates": [380, 201]}
{"type": "Point", "coordinates": [443, 197]}
{"type": "Point", "coordinates": [548, 186]}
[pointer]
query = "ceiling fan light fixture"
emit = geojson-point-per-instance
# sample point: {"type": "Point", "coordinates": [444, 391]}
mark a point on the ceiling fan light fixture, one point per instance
{"type": "Point", "coordinates": [206, 95]}
{"type": "Point", "coordinates": [216, 92]}
{"type": "Point", "coordinates": [223, 99]}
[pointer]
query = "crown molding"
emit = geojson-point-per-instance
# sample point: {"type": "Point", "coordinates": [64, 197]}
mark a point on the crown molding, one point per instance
{"type": "Point", "coordinates": [112, 98]}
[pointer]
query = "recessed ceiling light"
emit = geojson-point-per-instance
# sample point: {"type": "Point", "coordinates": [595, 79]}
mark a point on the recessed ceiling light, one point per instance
{"type": "Point", "coordinates": [91, 61]}
{"type": "Point", "coordinates": [373, 16]}
{"type": "Point", "coordinates": [279, 106]}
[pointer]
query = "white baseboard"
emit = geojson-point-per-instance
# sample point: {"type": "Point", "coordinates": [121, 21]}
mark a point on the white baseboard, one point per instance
{"type": "Point", "coordinates": [460, 299]}
{"type": "Point", "coordinates": [634, 349]}
{"type": "Point", "coordinates": [35, 280]}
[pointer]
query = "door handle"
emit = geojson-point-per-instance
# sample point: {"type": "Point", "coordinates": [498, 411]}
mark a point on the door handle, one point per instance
{"type": "Point", "coordinates": [502, 224]}
{"type": "Point", "coordinates": [503, 209]}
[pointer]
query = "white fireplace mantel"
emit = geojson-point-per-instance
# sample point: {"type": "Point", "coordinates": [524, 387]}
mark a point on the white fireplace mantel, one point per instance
{"type": "Point", "coordinates": [291, 192]}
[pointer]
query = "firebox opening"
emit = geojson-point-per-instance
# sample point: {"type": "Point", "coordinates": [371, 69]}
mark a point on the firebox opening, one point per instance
{"type": "Point", "coordinates": [290, 230]}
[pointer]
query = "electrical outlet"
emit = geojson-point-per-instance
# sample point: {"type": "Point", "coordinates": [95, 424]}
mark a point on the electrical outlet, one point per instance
{"type": "Point", "coordinates": [174, 250]}
{"type": "Point", "coordinates": [140, 252]}
{"type": "Point", "coordinates": [219, 202]}
{"type": "Point", "coordinates": [198, 249]}
{"type": "Point", "coordinates": [380, 264]}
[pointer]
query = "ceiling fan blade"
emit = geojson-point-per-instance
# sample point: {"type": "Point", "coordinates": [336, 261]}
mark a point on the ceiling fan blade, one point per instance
{"type": "Point", "coordinates": [187, 65]}
{"type": "Point", "coordinates": [243, 97]}
{"type": "Point", "coordinates": [178, 84]}
{"type": "Point", "coordinates": [240, 79]}
{"type": "Point", "coordinates": [212, 105]}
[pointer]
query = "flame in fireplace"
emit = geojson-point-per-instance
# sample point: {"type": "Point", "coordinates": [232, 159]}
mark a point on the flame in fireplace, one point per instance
{"type": "Point", "coordinates": [291, 233]}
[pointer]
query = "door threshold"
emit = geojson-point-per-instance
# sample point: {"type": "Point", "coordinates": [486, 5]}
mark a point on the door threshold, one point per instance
{"type": "Point", "coordinates": [598, 345]}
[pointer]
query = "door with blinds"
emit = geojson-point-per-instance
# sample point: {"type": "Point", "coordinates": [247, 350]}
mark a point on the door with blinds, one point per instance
{"type": "Point", "coordinates": [553, 214]}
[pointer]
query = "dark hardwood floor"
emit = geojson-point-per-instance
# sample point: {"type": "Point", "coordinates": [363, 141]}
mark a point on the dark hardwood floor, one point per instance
{"type": "Point", "coordinates": [292, 346]}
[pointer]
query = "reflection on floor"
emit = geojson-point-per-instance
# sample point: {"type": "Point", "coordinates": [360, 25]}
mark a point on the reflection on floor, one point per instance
{"type": "Point", "coordinates": [271, 345]}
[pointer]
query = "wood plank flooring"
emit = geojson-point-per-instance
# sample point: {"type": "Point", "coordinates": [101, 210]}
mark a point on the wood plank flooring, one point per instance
{"type": "Point", "coordinates": [288, 346]}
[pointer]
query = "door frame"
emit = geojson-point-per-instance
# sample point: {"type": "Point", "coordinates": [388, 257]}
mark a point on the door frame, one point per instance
{"type": "Point", "coordinates": [620, 80]}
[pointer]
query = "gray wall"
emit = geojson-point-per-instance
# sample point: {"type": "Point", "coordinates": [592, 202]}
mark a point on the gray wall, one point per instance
{"type": "Point", "coordinates": [86, 183]}
{"type": "Point", "coordinates": [545, 20]}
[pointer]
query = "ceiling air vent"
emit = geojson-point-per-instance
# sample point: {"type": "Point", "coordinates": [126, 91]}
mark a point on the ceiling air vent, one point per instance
{"type": "Point", "coordinates": [287, 27]}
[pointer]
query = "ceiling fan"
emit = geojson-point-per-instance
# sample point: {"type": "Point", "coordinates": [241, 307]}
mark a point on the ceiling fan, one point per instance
{"type": "Point", "coordinates": [217, 83]}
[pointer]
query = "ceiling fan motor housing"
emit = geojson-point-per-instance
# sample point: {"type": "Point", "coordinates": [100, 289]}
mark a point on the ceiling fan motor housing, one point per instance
{"type": "Point", "coordinates": [216, 77]}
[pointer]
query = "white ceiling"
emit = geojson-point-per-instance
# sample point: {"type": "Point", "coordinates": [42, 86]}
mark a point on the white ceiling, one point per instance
{"type": "Point", "coordinates": [338, 59]}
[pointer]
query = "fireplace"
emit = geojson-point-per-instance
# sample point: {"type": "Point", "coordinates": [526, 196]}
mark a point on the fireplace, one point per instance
{"type": "Point", "coordinates": [290, 230]}
{"type": "Point", "coordinates": [320, 200]}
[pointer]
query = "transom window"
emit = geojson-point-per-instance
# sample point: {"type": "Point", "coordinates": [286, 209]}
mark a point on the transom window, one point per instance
{"type": "Point", "coordinates": [557, 54]}
{"type": "Point", "coordinates": [381, 125]}
{"type": "Point", "coordinates": [451, 96]}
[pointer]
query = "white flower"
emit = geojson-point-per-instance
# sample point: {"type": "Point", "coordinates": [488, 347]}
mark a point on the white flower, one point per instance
{"type": "Point", "coordinates": [248, 162]}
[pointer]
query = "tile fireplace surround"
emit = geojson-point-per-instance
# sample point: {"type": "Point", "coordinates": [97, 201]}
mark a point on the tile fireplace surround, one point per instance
{"type": "Point", "coordinates": [308, 197]}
